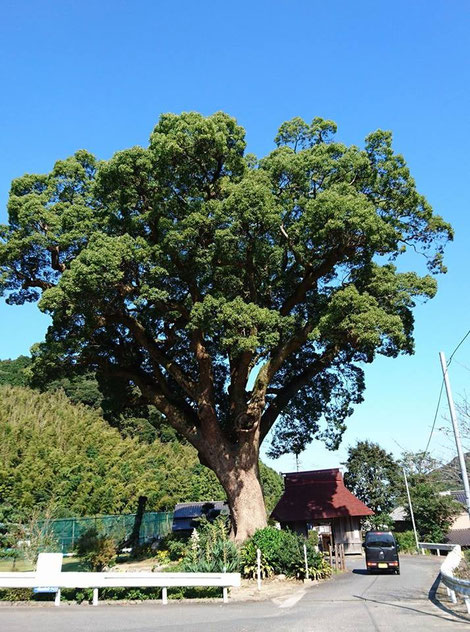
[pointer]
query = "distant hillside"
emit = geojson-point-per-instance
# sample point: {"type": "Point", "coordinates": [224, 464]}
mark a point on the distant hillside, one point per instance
{"type": "Point", "coordinates": [65, 456]}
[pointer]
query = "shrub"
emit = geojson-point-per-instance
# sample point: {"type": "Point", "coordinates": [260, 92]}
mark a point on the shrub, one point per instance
{"type": "Point", "coordinates": [319, 568]}
{"type": "Point", "coordinates": [96, 551]}
{"type": "Point", "coordinates": [210, 550]}
{"type": "Point", "coordinates": [174, 544]}
{"type": "Point", "coordinates": [406, 541]}
{"type": "Point", "coordinates": [16, 594]}
{"type": "Point", "coordinates": [34, 536]}
{"type": "Point", "coordinates": [313, 537]}
{"type": "Point", "coordinates": [282, 552]}
{"type": "Point", "coordinates": [249, 564]}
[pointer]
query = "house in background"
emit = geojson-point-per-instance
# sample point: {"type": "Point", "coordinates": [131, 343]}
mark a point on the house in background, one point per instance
{"type": "Point", "coordinates": [186, 515]}
{"type": "Point", "coordinates": [459, 532]}
{"type": "Point", "coordinates": [319, 500]}
{"type": "Point", "coordinates": [400, 519]}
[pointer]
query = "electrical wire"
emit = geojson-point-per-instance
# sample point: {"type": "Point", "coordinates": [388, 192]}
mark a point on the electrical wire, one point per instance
{"type": "Point", "coordinates": [440, 394]}
{"type": "Point", "coordinates": [434, 420]}
{"type": "Point", "coordinates": [458, 346]}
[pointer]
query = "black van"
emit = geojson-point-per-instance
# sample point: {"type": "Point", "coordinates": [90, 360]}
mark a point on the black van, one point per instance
{"type": "Point", "coordinates": [381, 551]}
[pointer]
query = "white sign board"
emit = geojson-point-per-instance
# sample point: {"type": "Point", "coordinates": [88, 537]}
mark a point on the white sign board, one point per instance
{"type": "Point", "coordinates": [48, 564]}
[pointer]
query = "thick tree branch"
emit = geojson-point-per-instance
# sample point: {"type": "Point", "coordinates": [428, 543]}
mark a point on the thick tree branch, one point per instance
{"type": "Point", "coordinates": [289, 390]}
{"type": "Point", "coordinates": [28, 281]}
{"type": "Point", "coordinates": [55, 262]}
{"type": "Point", "coordinates": [178, 414]}
{"type": "Point", "coordinates": [39, 283]}
{"type": "Point", "coordinates": [205, 395]}
{"type": "Point", "coordinates": [158, 356]}
{"type": "Point", "coordinates": [239, 372]}
{"type": "Point", "coordinates": [311, 278]}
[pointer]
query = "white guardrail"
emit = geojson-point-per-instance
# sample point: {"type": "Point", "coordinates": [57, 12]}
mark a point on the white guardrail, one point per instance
{"type": "Point", "coordinates": [454, 585]}
{"type": "Point", "coordinates": [48, 577]}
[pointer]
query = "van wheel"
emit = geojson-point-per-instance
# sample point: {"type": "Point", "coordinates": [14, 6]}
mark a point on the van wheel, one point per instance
{"type": "Point", "coordinates": [397, 571]}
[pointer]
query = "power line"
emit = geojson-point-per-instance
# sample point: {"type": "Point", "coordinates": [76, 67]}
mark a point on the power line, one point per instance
{"type": "Point", "coordinates": [457, 347]}
{"type": "Point", "coordinates": [434, 420]}
{"type": "Point", "coordinates": [440, 393]}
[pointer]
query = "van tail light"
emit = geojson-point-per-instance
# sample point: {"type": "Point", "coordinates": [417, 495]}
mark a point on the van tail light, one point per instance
{"type": "Point", "coordinates": [371, 563]}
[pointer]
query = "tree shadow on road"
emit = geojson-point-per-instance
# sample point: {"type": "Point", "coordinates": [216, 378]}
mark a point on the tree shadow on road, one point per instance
{"type": "Point", "coordinates": [451, 619]}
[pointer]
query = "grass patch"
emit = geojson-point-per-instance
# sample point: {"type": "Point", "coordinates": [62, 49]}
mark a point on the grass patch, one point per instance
{"type": "Point", "coordinates": [10, 565]}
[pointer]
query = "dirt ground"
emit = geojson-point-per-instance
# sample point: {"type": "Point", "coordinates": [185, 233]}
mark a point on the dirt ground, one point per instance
{"type": "Point", "coordinates": [270, 589]}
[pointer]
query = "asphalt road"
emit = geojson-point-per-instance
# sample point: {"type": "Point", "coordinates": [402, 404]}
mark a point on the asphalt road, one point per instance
{"type": "Point", "coordinates": [353, 601]}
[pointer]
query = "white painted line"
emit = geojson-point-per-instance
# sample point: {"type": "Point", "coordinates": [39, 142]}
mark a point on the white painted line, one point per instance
{"type": "Point", "coordinates": [290, 601]}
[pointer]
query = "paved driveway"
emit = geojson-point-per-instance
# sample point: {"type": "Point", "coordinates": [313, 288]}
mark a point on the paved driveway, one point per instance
{"type": "Point", "coordinates": [352, 602]}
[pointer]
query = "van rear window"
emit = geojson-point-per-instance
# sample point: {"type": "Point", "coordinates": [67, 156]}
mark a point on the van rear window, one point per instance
{"type": "Point", "coordinates": [380, 539]}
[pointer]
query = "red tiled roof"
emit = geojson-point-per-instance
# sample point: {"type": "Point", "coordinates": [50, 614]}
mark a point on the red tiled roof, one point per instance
{"type": "Point", "coordinates": [317, 494]}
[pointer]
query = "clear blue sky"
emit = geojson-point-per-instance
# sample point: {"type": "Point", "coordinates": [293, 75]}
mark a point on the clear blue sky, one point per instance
{"type": "Point", "coordinates": [97, 75]}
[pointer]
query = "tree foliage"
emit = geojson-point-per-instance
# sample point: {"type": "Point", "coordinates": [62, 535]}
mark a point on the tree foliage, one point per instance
{"type": "Point", "coordinates": [373, 476]}
{"type": "Point", "coordinates": [97, 552]}
{"type": "Point", "coordinates": [231, 293]}
{"type": "Point", "coordinates": [433, 511]}
{"type": "Point", "coordinates": [14, 372]}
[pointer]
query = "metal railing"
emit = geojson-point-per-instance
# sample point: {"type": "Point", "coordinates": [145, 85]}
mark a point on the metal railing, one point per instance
{"type": "Point", "coordinates": [454, 585]}
{"type": "Point", "coordinates": [431, 546]}
{"type": "Point", "coordinates": [47, 578]}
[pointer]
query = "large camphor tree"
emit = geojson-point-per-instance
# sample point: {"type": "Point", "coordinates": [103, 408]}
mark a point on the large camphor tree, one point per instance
{"type": "Point", "coordinates": [237, 296]}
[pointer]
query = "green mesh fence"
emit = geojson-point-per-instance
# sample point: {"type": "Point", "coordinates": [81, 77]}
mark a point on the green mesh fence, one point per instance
{"type": "Point", "coordinates": [67, 530]}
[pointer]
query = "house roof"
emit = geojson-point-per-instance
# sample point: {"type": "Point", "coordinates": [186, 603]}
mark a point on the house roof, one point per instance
{"type": "Point", "coordinates": [459, 496]}
{"type": "Point", "coordinates": [399, 514]}
{"type": "Point", "coordinates": [195, 510]}
{"type": "Point", "coordinates": [317, 494]}
{"type": "Point", "coordinates": [185, 515]}
{"type": "Point", "coordinates": [459, 536]}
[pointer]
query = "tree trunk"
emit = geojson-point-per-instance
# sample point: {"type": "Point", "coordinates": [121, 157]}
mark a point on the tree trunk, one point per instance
{"type": "Point", "coordinates": [245, 499]}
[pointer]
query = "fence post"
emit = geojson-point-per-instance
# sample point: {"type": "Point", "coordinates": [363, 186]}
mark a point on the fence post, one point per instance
{"type": "Point", "coordinates": [95, 596]}
{"type": "Point", "coordinates": [164, 596]}
{"type": "Point", "coordinates": [451, 592]}
{"type": "Point", "coordinates": [57, 598]}
{"type": "Point", "coordinates": [225, 590]}
{"type": "Point", "coordinates": [306, 562]}
{"type": "Point", "coordinates": [258, 567]}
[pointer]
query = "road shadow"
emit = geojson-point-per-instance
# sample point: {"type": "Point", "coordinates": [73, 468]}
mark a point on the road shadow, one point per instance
{"type": "Point", "coordinates": [411, 609]}
{"type": "Point", "coordinates": [433, 598]}
{"type": "Point", "coordinates": [360, 571]}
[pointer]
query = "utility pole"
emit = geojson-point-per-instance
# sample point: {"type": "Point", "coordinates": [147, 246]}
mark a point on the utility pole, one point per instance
{"type": "Point", "coordinates": [411, 511]}
{"type": "Point", "coordinates": [458, 441]}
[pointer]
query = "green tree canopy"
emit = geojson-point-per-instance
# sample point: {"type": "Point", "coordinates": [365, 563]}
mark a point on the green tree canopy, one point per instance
{"type": "Point", "coordinates": [433, 512]}
{"type": "Point", "coordinates": [231, 293]}
{"type": "Point", "coordinates": [373, 476]}
{"type": "Point", "coordinates": [427, 479]}
{"type": "Point", "coordinates": [14, 372]}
